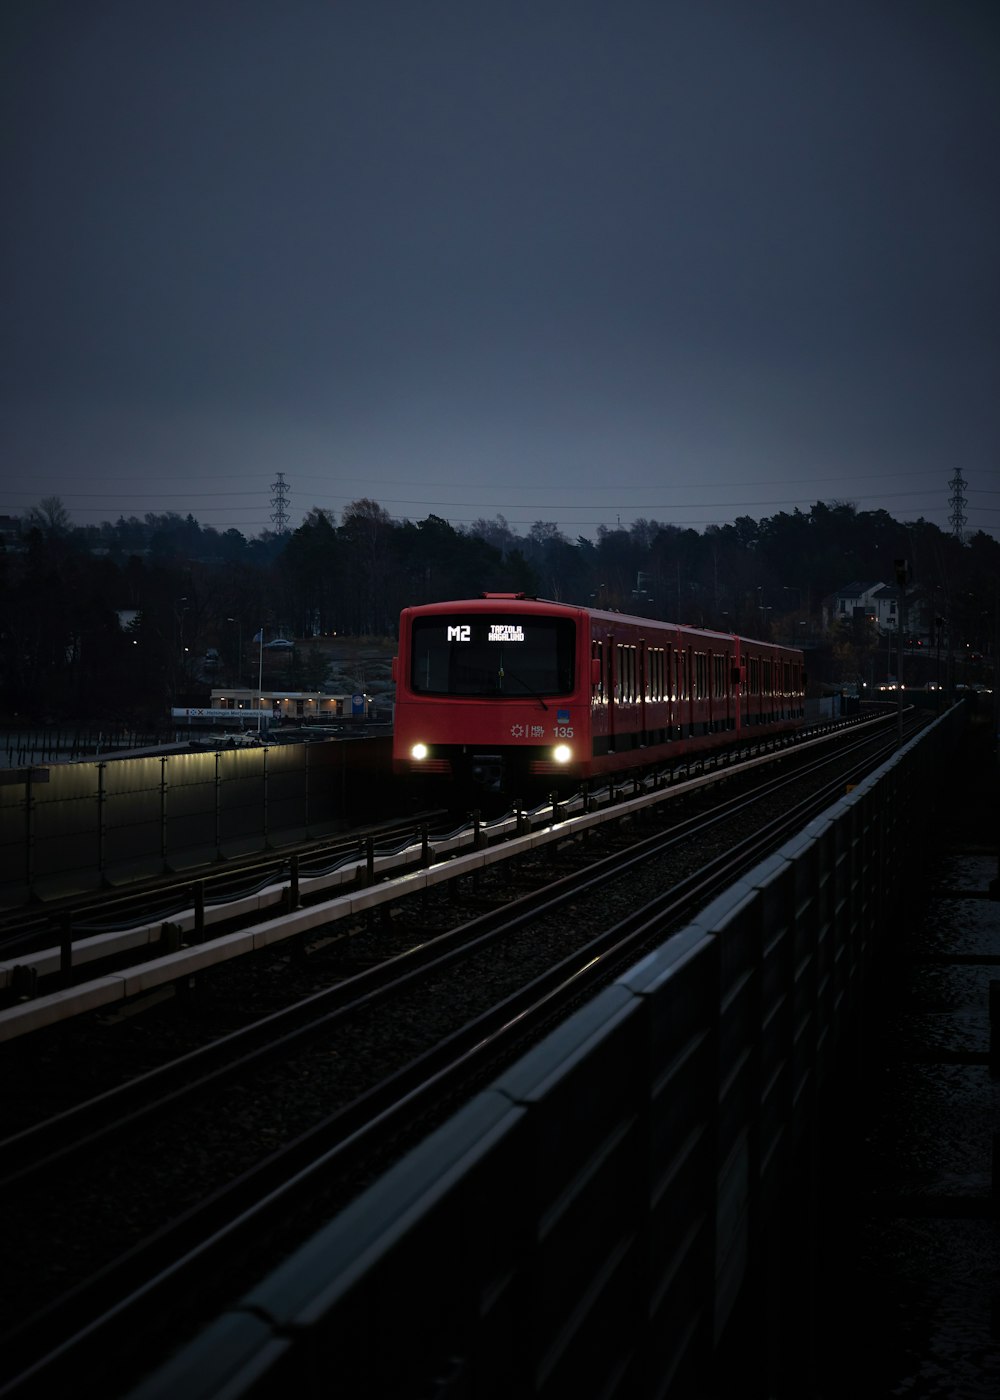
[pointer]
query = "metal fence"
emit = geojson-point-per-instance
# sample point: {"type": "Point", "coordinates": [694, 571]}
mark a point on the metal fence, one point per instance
{"type": "Point", "coordinates": [593, 1222]}
{"type": "Point", "coordinates": [73, 828]}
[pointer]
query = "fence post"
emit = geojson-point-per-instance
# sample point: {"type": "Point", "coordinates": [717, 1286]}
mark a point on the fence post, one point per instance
{"type": "Point", "coordinates": [198, 897]}
{"type": "Point", "coordinates": [66, 948]}
{"type": "Point", "coordinates": [218, 805]}
{"type": "Point", "coordinates": [29, 829]}
{"type": "Point", "coordinates": [102, 822]}
{"type": "Point", "coordinates": [163, 811]}
{"type": "Point", "coordinates": [263, 753]}
{"type": "Point", "coordinates": [293, 884]}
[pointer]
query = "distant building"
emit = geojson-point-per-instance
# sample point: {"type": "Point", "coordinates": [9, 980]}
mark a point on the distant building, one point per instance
{"type": "Point", "coordinates": [852, 602]}
{"type": "Point", "coordinates": [243, 707]}
{"type": "Point", "coordinates": [876, 603]}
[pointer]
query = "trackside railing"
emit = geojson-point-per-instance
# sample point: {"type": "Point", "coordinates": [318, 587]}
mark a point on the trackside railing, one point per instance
{"type": "Point", "coordinates": [593, 1222]}
{"type": "Point", "coordinates": [77, 828]}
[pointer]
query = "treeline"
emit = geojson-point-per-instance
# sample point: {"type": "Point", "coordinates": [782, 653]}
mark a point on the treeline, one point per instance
{"type": "Point", "coordinates": [109, 622]}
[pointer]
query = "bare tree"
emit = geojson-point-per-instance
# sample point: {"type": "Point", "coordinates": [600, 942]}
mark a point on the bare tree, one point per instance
{"type": "Point", "coordinates": [50, 516]}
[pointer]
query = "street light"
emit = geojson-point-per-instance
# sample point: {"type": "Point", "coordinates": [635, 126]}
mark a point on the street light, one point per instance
{"type": "Point", "coordinates": [239, 648]}
{"type": "Point", "coordinates": [179, 663]}
{"type": "Point", "coordinates": [902, 570]}
{"type": "Point", "coordinates": [938, 637]}
{"type": "Point", "coordinates": [180, 608]}
{"type": "Point", "coordinates": [259, 639]}
{"type": "Point", "coordinates": [763, 608]}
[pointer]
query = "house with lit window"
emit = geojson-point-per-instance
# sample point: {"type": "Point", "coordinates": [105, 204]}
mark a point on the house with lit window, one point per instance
{"type": "Point", "coordinates": [854, 603]}
{"type": "Point", "coordinates": [874, 604]}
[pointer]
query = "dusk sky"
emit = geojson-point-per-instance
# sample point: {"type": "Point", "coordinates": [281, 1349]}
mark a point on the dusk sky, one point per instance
{"type": "Point", "coordinates": [554, 260]}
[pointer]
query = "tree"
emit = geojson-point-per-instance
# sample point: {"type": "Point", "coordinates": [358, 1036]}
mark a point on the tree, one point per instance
{"type": "Point", "coordinates": [312, 567]}
{"type": "Point", "coordinates": [49, 516]}
{"type": "Point", "coordinates": [495, 532]}
{"type": "Point", "coordinates": [64, 654]}
{"type": "Point", "coordinates": [366, 529]}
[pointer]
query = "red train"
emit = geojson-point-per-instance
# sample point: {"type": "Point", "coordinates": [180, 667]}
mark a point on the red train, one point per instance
{"type": "Point", "coordinates": [507, 693]}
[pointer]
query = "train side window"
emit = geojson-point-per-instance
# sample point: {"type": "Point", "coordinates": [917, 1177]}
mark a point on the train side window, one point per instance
{"type": "Point", "coordinates": [655, 681]}
{"type": "Point", "coordinates": [626, 681]}
{"type": "Point", "coordinates": [681, 687]}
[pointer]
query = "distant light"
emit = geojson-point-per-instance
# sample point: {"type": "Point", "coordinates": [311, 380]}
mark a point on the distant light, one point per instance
{"type": "Point", "coordinates": [419, 752]}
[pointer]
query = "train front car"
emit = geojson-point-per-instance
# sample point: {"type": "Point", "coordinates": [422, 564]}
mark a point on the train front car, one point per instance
{"type": "Point", "coordinates": [492, 694]}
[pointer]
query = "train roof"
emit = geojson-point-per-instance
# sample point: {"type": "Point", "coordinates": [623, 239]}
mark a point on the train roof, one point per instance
{"type": "Point", "coordinates": [486, 602]}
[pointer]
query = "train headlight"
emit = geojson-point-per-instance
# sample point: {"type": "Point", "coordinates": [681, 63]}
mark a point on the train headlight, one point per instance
{"type": "Point", "coordinates": [419, 752]}
{"type": "Point", "coordinates": [562, 753]}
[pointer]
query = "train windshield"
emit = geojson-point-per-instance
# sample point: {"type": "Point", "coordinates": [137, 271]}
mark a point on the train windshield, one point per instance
{"type": "Point", "coordinates": [492, 654]}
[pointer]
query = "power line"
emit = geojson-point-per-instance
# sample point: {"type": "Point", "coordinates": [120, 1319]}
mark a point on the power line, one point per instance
{"type": "Point", "coordinates": [68, 497]}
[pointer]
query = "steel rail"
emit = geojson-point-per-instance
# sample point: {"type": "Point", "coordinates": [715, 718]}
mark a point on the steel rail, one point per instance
{"type": "Point", "coordinates": [182, 1255]}
{"type": "Point", "coordinates": [98, 1120]}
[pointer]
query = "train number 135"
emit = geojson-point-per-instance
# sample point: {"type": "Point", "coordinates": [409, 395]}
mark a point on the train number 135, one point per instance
{"type": "Point", "coordinates": [564, 731]}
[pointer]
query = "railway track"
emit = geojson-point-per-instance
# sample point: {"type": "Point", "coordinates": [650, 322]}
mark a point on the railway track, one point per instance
{"type": "Point", "coordinates": [153, 1200]}
{"type": "Point", "coordinates": [73, 942]}
{"type": "Point", "coordinates": [32, 927]}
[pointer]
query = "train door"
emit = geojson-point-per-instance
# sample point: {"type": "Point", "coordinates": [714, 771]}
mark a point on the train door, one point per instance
{"type": "Point", "coordinates": [689, 690]}
{"type": "Point", "coordinates": [736, 687]}
{"type": "Point", "coordinates": [717, 711]}
{"type": "Point", "coordinates": [675, 678]}
{"type": "Point", "coordinates": [752, 688]}
{"type": "Point", "coordinates": [642, 688]}
{"type": "Point", "coordinates": [701, 704]}
{"type": "Point", "coordinates": [626, 695]}
{"type": "Point", "coordinates": [599, 707]}
{"type": "Point", "coordinates": [657, 690]}
{"type": "Point", "coordinates": [669, 692]}
{"type": "Point", "coordinates": [682, 689]}
{"type": "Point", "coordinates": [767, 689]}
